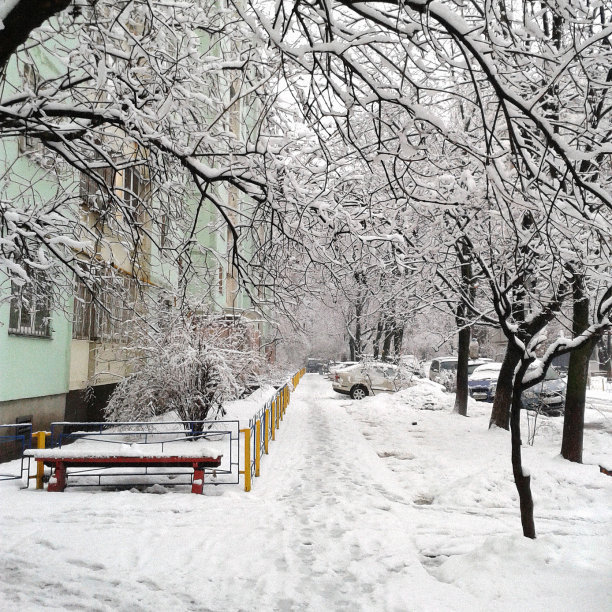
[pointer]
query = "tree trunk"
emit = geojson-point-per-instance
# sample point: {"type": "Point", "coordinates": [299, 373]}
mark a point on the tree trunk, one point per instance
{"type": "Point", "coordinates": [605, 353]}
{"type": "Point", "coordinates": [358, 348]}
{"type": "Point", "coordinates": [465, 330]}
{"type": "Point", "coordinates": [387, 341]}
{"type": "Point", "coordinates": [500, 413]}
{"type": "Point", "coordinates": [398, 339]}
{"type": "Point", "coordinates": [379, 332]}
{"type": "Point", "coordinates": [463, 355]}
{"type": "Point", "coordinates": [521, 480]}
{"type": "Point", "coordinates": [577, 377]}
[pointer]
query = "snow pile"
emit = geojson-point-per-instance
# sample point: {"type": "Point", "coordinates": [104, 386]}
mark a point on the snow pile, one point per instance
{"type": "Point", "coordinates": [424, 395]}
{"type": "Point", "coordinates": [246, 408]}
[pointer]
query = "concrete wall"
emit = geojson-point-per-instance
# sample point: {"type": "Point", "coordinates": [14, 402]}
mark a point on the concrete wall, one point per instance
{"type": "Point", "coordinates": [44, 410]}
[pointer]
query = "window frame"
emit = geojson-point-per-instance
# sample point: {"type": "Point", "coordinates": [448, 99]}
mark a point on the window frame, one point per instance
{"type": "Point", "coordinates": [35, 300]}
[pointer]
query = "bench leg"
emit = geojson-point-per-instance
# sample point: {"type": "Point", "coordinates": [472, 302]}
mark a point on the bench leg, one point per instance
{"type": "Point", "coordinates": [198, 480]}
{"type": "Point", "coordinates": [60, 478]}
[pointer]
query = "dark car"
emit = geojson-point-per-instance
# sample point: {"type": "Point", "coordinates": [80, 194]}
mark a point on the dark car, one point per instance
{"type": "Point", "coordinates": [483, 381]}
{"type": "Point", "coordinates": [547, 397]}
{"type": "Point", "coordinates": [316, 366]}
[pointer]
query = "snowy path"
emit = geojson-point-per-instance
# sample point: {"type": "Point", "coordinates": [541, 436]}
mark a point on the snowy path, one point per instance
{"type": "Point", "coordinates": [375, 505]}
{"type": "Point", "coordinates": [344, 525]}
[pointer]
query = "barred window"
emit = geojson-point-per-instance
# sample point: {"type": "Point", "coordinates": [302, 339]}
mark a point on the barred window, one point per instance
{"type": "Point", "coordinates": [92, 190]}
{"type": "Point", "coordinates": [105, 317]}
{"type": "Point", "coordinates": [30, 312]}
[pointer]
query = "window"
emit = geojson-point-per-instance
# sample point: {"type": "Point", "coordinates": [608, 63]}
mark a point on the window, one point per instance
{"type": "Point", "coordinates": [105, 318]}
{"type": "Point", "coordinates": [30, 306]}
{"type": "Point", "coordinates": [27, 143]}
{"type": "Point", "coordinates": [163, 231]}
{"type": "Point", "coordinates": [92, 190]}
{"type": "Point", "coordinates": [132, 191]}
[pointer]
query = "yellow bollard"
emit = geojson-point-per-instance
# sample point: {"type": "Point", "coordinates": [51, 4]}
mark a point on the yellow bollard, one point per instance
{"type": "Point", "coordinates": [273, 419]}
{"type": "Point", "coordinates": [257, 446]}
{"type": "Point", "coordinates": [267, 431]}
{"type": "Point", "coordinates": [41, 437]}
{"type": "Point", "coordinates": [247, 459]}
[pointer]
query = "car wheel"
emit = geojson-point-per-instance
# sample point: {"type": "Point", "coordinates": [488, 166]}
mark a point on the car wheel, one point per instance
{"type": "Point", "coordinates": [358, 392]}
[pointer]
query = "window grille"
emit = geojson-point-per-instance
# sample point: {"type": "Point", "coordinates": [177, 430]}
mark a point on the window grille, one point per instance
{"type": "Point", "coordinates": [93, 194]}
{"type": "Point", "coordinates": [106, 318]}
{"type": "Point", "coordinates": [30, 311]}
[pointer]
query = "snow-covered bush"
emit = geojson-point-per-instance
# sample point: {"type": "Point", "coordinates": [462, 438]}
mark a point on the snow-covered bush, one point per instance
{"type": "Point", "coordinates": [191, 365]}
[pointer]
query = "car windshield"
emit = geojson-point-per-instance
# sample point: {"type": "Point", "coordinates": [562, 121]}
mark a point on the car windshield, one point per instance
{"type": "Point", "coordinates": [448, 365]}
{"type": "Point", "coordinates": [551, 373]}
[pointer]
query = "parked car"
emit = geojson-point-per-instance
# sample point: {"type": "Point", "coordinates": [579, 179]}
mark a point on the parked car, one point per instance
{"type": "Point", "coordinates": [365, 379]}
{"type": "Point", "coordinates": [316, 366]}
{"type": "Point", "coordinates": [483, 381]}
{"type": "Point", "coordinates": [341, 365]}
{"type": "Point", "coordinates": [547, 397]}
{"type": "Point", "coordinates": [411, 363]}
{"type": "Point", "coordinates": [443, 369]}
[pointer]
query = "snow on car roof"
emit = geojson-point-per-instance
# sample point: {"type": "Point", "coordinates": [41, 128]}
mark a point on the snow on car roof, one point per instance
{"type": "Point", "coordinates": [487, 367]}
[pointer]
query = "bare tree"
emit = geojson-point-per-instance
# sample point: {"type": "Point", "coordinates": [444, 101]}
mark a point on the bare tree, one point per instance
{"type": "Point", "coordinates": [137, 120]}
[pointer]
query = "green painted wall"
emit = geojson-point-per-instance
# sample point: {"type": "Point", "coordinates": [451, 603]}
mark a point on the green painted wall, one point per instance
{"type": "Point", "coordinates": [30, 367]}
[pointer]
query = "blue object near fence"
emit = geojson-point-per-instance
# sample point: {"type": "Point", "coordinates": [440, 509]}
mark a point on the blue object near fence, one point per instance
{"type": "Point", "coordinates": [14, 439]}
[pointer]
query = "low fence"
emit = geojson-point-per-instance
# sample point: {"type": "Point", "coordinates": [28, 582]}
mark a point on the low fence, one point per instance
{"type": "Point", "coordinates": [263, 427]}
{"type": "Point", "coordinates": [14, 439]}
{"type": "Point", "coordinates": [112, 438]}
{"type": "Point", "coordinates": [226, 435]}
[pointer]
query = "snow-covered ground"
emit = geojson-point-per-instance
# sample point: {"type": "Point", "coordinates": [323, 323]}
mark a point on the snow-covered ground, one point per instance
{"type": "Point", "coordinates": [392, 503]}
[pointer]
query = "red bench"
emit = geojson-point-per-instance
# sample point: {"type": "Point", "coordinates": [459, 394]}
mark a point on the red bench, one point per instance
{"type": "Point", "coordinates": [60, 463]}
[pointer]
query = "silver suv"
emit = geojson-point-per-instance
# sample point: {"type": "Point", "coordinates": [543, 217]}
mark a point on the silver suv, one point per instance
{"type": "Point", "coordinates": [364, 379]}
{"type": "Point", "coordinates": [443, 370]}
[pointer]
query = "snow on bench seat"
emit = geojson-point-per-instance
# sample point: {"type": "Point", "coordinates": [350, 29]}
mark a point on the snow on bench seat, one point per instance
{"type": "Point", "coordinates": [104, 450]}
{"type": "Point", "coordinates": [176, 454]}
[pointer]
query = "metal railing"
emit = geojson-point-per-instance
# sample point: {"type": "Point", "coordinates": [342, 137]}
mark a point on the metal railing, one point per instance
{"type": "Point", "coordinates": [153, 436]}
{"type": "Point", "coordinates": [14, 439]}
{"type": "Point", "coordinates": [263, 427]}
{"type": "Point", "coordinates": [262, 430]}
